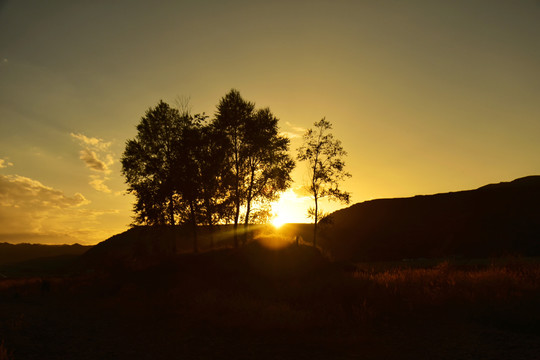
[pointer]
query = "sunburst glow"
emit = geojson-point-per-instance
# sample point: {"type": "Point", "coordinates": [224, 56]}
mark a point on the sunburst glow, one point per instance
{"type": "Point", "coordinates": [278, 221]}
{"type": "Point", "coordinates": [289, 209]}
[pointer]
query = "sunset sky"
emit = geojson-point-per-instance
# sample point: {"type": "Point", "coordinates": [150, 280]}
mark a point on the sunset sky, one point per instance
{"type": "Point", "coordinates": [426, 96]}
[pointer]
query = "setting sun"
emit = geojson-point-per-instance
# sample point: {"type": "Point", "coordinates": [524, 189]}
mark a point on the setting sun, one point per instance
{"type": "Point", "coordinates": [289, 209]}
{"type": "Point", "coordinates": [278, 221]}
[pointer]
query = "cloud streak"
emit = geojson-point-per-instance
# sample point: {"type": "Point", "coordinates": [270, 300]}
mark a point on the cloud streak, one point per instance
{"type": "Point", "coordinates": [29, 207]}
{"type": "Point", "coordinates": [31, 211]}
{"type": "Point", "coordinates": [99, 184]}
{"type": "Point", "coordinates": [294, 132]}
{"type": "Point", "coordinates": [92, 141]}
{"type": "Point", "coordinates": [93, 162]}
{"type": "Point", "coordinates": [97, 157]}
{"type": "Point", "coordinates": [22, 192]}
{"type": "Point", "coordinates": [4, 163]}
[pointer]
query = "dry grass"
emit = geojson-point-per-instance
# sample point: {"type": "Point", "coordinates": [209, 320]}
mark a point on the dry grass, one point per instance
{"type": "Point", "coordinates": [240, 302]}
{"type": "Point", "coordinates": [4, 353]}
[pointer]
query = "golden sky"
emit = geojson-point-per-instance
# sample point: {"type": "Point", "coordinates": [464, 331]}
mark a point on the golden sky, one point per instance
{"type": "Point", "coordinates": [426, 96]}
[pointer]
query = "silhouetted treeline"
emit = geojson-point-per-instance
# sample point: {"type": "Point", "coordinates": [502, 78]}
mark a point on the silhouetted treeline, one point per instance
{"type": "Point", "coordinates": [189, 169]}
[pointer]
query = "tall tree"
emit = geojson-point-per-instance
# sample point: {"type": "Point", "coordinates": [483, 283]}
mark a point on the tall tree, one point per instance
{"type": "Point", "coordinates": [161, 167]}
{"type": "Point", "coordinates": [324, 156]}
{"type": "Point", "coordinates": [148, 165]}
{"type": "Point", "coordinates": [216, 205]}
{"type": "Point", "coordinates": [188, 178]}
{"type": "Point", "coordinates": [233, 112]}
{"type": "Point", "coordinates": [256, 154]}
{"type": "Point", "coordinates": [268, 162]}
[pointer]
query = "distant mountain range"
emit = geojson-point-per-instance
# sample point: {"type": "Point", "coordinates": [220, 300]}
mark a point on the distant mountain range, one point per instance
{"type": "Point", "coordinates": [494, 220]}
{"type": "Point", "coordinates": [16, 253]}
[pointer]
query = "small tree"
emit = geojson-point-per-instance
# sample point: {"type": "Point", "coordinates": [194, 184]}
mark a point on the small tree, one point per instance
{"type": "Point", "coordinates": [324, 156]}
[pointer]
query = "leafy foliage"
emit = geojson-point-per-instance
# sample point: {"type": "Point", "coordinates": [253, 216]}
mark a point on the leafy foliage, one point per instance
{"type": "Point", "coordinates": [185, 169]}
{"type": "Point", "coordinates": [148, 165]}
{"type": "Point", "coordinates": [324, 155]}
{"type": "Point", "coordinates": [256, 154]}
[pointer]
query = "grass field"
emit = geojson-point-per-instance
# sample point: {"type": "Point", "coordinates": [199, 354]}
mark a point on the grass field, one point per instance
{"type": "Point", "coordinates": [289, 303]}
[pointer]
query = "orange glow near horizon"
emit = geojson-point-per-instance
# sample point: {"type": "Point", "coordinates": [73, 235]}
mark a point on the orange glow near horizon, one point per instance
{"type": "Point", "coordinates": [417, 114]}
{"type": "Point", "coordinates": [289, 209]}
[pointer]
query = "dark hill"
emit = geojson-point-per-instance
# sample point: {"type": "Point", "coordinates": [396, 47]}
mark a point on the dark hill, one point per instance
{"type": "Point", "coordinates": [497, 219]}
{"type": "Point", "coordinates": [142, 246]}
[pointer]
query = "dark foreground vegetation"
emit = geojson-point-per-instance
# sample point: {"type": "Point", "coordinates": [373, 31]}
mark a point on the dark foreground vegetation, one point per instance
{"type": "Point", "coordinates": [288, 303]}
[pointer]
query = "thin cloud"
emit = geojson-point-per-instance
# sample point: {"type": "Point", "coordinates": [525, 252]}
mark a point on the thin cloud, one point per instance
{"type": "Point", "coordinates": [97, 157]}
{"type": "Point", "coordinates": [32, 211]}
{"type": "Point", "coordinates": [99, 184]}
{"type": "Point", "coordinates": [295, 131]}
{"type": "Point", "coordinates": [92, 161]}
{"type": "Point", "coordinates": [289, 134]}
{"type": "Point", "coordinates": [4, 163]}
{"type": "Point", "coordinates": [26, 205]}
{"type": "Point", "coordinates": [92, 141]}
{"type": "Point", "coordinates": [22, 192]}
{"type": "Point", "coordinates": [95, 153]}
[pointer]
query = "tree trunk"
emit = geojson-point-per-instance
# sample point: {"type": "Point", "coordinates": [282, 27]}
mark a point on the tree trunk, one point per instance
{"type": "Point", "coordinates": [194, 227]}
{"type": "Point", "coordinates": [236, 216]}
{"type": "Point", "coordinates": [246, 224]}
{"type": "Point", "coordinates": [248, 208]}
{"type": "Point", "coordinates": [209, 222]}
{"type": "Point", "coordinates": [316, 221]}
{"type": "Point", "coordinates": [171, 209]}
{"type": "Point", "coordinates": [171, 214]}
{"type": "Point", "coordinates": [237, 199]}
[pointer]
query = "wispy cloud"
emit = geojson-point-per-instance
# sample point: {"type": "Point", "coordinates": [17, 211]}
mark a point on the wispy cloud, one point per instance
{"type": "Point", "coordinates": [289, 134]}
{"type": "Point", "coordinates": [92, 141]}
{"type": "Point", "coordinates": [20, 192]}
{"type": "Point", "coordinates": [294, 131]}
{"type": "Point", "coordinates": [295, 128]}
{"type": "Point", "coordinates": [31, 211]}
{"type": "Point", "coordinates": [4, 163]}
{"type": "Point", "coordinates": [97, 157]}
{"type": "Point", "coordinates": [99, 184]}
{"type": "Point", "coordinates": [28, 206]}
{"type": "Point", "coordinates": [93, 162]}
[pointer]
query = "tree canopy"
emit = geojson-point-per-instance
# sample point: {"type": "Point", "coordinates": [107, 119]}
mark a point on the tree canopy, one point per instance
{"type": "Point", "coordinates": [324, 156]}
{"type": "Point", "coordinates": [256, 155]}
{"type": "Point", "coordinates": [186, 169]}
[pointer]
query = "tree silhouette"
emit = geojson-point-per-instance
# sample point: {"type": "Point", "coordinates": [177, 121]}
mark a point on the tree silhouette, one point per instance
{"type": "Point", "coordinates": [187, 175]}
{"type": "Point", "coordinates": [161, 166]}
{"type": "Point", "coordinates": [216, 204]}
{"type": "Point", "coordinates": [148, 166]}
{"type": "Point", "coordinates": [233, 113]}
{"type": "Point", "coordinates": [324, 156]}
{"type": "Point", "coordinates": [184, 170]}
{"type": "Point", "coordinates": [268, 162]}
{"type": "Point", "coordinates": [256, 154]}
